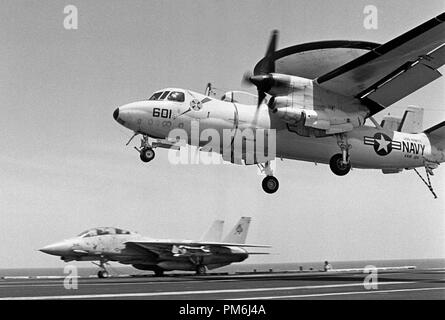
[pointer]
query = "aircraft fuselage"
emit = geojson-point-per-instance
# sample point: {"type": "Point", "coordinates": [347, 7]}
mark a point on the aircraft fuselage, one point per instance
{"type": "Point", "coordinates": [370, 147]}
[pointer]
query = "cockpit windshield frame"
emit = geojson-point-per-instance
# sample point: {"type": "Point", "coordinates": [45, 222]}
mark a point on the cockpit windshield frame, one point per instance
{"type": "Point", "coordinates": [156, 95]}
{"type": "Point", "coordinates": [177, 96]}
{"type": "Point", "coordinates": [102, 232]}
{"type": "Point", "coordinates": [170, 95]}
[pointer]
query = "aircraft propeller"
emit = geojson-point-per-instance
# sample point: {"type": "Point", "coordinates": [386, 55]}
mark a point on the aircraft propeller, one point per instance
{"type": "Point", "coordinates": [261, 77]}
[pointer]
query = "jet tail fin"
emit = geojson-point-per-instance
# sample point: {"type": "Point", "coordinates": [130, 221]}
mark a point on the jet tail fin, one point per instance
{"type": "Point", "coordinates": [412, 120]}
{"type": "Point", "coordinates": [214, 233]}
{"type": "Point", "coordinates": [437, 135]}
{"type": "Point", "coordinates": [239, 232]}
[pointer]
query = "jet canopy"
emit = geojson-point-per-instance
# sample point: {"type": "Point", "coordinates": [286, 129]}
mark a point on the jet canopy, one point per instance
{"type": "Point", "coordinates": [102, 231]}
{"type": "Point", "coordinates": [169, 95]}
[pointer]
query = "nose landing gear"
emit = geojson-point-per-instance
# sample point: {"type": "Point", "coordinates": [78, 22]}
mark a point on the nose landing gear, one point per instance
{"type": "Point", "coordinates": [146, 152]}
{"type": "Point", "coordinates": [102, 273]}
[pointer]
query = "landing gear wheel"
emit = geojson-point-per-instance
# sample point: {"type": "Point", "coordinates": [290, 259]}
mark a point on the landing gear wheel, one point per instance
{"type": "Point", "coordinates": [102, 274]}
{"type": "Point", "coordinates": [201, 270]}
{"type": "Point", "coordinates": [270, 184]}
{"type": "Point", "coordinates": [147, 154]}
{"type": "Point", "coordinates": [337, 165]}
{"type": "Point", "coordinates": [159, 272]}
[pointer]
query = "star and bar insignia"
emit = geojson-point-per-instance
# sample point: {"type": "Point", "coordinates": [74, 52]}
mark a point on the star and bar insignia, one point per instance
{"type": "Point", "coordinates": [383, 144]}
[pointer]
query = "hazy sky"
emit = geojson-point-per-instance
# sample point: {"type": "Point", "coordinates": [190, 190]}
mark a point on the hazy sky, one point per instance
{"type": "Point", "coordinates": [65, 167]}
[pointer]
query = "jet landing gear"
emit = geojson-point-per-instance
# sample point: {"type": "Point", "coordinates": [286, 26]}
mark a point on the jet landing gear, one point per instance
{"type": "Point", "coordinates": [158, 272]}
{"type": "Point", "coordinates": [340, 163]}
{"type": "Point", "coordinates": [103, 273]}
{"type": "Point", "coordinates": [201, 270]}
{"type": "Point", "coordinates": [200, 267]}
{"type": "Point", "coordinates": [270, 184]}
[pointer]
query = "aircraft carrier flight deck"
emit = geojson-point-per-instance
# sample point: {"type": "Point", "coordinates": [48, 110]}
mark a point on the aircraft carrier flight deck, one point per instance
{"type": "Point", "coordinates": [403, 283]}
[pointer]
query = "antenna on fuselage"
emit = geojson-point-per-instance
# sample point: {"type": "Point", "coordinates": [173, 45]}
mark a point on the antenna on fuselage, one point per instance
{"type": "Point", "coordinates": [209, 90]}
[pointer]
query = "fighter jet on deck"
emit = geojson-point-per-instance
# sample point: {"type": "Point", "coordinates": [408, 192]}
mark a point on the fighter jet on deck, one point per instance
{"type": "Point", "coordinates": [157, 255]}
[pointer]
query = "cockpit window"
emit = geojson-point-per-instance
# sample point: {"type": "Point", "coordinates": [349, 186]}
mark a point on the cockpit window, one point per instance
{"type": "Point", "coordinates": [156, 96]}
{"type": "Point", "coordinates": [164, 95]}
{"type": "Point", "coordinates": [102, 232]}
{"type": "Point", "coordinates": [120, 231]}
{"type": "Point", "coordinates": [176, 96]}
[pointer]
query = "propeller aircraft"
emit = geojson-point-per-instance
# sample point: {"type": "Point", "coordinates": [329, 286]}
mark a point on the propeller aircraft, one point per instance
{"type": "Point", "coordinates": [314, 103]}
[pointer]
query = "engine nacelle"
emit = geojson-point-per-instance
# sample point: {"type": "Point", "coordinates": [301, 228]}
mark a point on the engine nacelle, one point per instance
{"type": "Point", "coordinates": [284, 109]}
{"type": "Point", "coordinates": [327, 121]}
{"type": "Point", "coordinates": [277, 84]}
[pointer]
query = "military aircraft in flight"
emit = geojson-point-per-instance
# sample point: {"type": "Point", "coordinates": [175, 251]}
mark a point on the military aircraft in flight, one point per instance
{"type": "Point", "coordinates": [157, 255]}
{"type": "Point", "coordinates": [314, 100]}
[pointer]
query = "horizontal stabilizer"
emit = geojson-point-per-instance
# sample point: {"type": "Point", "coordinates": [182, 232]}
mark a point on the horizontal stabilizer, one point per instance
{"type": "Point", "coordinates": [412, 120]}
{"type": "Point", "coordinates": [437, 135]}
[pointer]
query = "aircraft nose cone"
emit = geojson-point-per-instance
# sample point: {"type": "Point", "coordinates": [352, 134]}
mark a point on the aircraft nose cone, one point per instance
{"type": "Point", "coordinates": [57, 249]}
{"type": "Point", "coordinates": [116, 114]}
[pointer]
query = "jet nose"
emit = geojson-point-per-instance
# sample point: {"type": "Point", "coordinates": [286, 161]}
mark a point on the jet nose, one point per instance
{"type": "Point", "coordinates": [116, 114]}
{"type": "Point", "coordinates": [57, 249]}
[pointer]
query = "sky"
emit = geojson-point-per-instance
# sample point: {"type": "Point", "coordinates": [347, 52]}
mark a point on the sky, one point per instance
{"type": "Point", "coordinates": [65, 167]}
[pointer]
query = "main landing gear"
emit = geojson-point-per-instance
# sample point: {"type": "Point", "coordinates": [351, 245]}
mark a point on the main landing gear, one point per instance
{"type": "Point", "coordinates": [158, 272]}
{"type": "Point", "coordinates": [103, 273]}
{"type": "Point", "coordinates": [340, 163]}
{"type": "Point", "coordinates": [270, 184]}
{"type": "Point", "coordinates": [201, 270]}
{"type": "Point", "coordinates": [200, 267]}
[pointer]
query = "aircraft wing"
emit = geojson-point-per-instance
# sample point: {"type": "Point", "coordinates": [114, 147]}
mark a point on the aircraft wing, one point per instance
{"type": "Point", "coordinates": [162, 247]}
{"type": "Point", "coordinates": [393, 70]}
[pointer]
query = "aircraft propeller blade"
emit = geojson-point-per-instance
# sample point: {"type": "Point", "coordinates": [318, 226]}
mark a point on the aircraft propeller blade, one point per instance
{"type": "Point", "coordinates": [270, 61]}
{"type": "Point", "coordinates": [245, 81]}
{"type": "Point", "coordinates": [261, 77]}
{"type": "Point", "coordinates": [267, 64]}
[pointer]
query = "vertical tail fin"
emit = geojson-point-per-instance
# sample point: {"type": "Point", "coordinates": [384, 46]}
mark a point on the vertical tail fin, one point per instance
{"type": "Point", "coordinates": [239, 232]}
{"type": "Point", "coordinates": [214, 233]}
{"type": "Point", "coordinates": [412, 121]}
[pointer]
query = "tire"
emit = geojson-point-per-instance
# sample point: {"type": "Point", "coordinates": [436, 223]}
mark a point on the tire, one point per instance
{"type": "Point", "coordinates": [270, 184]}
{"type": "Point", "coordinates": [159, 272]}
{"type": "Point", "coordinates": [337, 166]}
{"type": "Point", "coordinates": [201, 270]}
{"type": "Point", "coordinates": [147, 154]}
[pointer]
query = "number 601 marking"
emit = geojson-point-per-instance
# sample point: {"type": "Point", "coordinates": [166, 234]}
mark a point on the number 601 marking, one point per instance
{"type": "Point", "coordinates": [162, 113]}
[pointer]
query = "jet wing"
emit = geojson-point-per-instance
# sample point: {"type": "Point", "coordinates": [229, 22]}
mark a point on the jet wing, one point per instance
{"type": "Point", "coordinates": [393, 70]}
{"type": "Point", "coordinates": [161, 247]}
